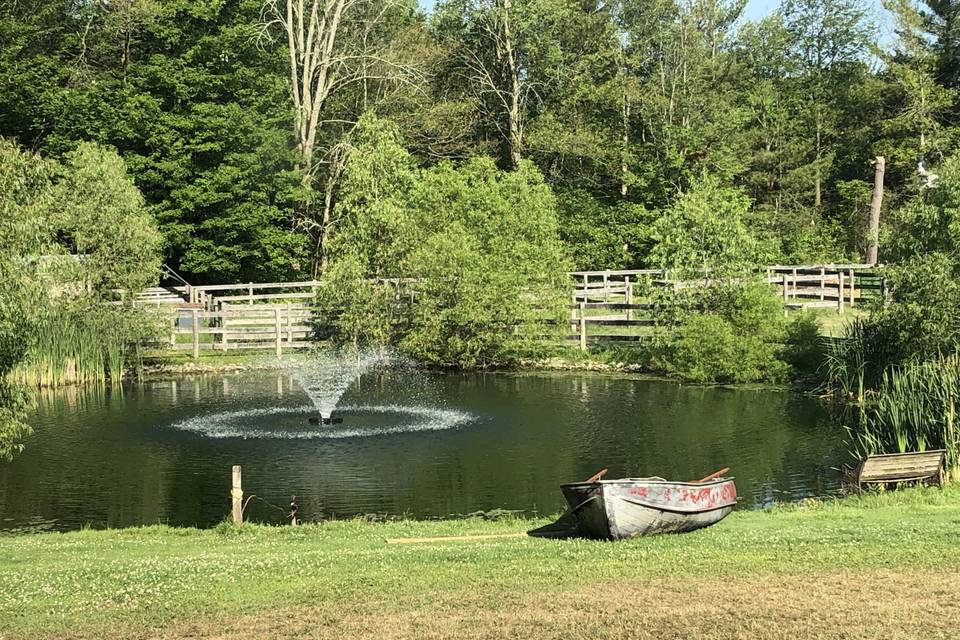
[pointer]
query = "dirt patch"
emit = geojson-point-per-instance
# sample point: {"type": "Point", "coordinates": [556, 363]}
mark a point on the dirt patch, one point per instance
{"type": "Point", "coordinates": [874, 604]}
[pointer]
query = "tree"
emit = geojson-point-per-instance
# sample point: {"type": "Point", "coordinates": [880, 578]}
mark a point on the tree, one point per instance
{"type": "Point", "coordinates": [327, 51]}
{"type": "Point", "coordinates": [101, 217]}
{"type": "Point", "coordinates": [480, 244]}
{"type": "Point", "coordinates": [827, 42]}
{"type": "Point", "coordinates": [24, 237]}
{"type": "Point", "coordinates": [704, 230]}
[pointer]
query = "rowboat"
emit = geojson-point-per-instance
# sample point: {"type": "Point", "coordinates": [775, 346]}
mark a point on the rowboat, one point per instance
{"type": "Point", "coordinates": [630, 507]}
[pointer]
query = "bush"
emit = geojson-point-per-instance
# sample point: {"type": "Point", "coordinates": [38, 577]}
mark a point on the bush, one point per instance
{"type": "Point", "coordinates": [728, 333]}
{"type": "Point", "coordinates": [803, 345]}
{"type": "Point", "coordinates": [711, 349]}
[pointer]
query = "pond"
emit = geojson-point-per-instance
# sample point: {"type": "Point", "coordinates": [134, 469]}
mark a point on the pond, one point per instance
{"type": "Point", "coordinates": [412, 443]}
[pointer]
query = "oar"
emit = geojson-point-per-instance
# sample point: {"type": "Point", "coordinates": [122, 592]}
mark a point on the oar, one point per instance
{"type": "Point", "coordinates": [715, 474]}
{"type": "Point", "coordinates": [486, 536]}
{"type": "Point", "coordinates": [596, 476]}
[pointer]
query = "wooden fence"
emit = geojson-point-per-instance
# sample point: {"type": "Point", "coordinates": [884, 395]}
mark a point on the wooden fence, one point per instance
{"type": "Point", "coordinates": [615, 304]}
{"type": "Point", "coordinates": [279, 327]}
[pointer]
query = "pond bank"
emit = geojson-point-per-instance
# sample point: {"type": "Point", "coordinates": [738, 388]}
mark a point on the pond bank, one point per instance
{"type": "Point", "coordinates": [875, 566]}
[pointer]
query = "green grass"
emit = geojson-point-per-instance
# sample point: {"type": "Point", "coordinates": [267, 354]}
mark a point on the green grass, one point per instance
{"type": "Point", "coordinates": [341, 577]}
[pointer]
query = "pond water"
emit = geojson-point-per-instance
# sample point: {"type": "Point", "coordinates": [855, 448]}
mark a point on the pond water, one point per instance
{"type": "Point", "coordinates": [412, 443]}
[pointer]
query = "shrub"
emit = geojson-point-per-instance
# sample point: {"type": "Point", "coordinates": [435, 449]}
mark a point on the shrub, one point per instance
{"type": "Point", "coordinates": [711, 349]}
{"type": "Point", "coordinates": [803, 345]}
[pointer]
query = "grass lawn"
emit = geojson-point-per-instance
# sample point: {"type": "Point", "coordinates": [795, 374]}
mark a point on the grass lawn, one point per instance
{"type": "Point", "coordinates": [880, 566]}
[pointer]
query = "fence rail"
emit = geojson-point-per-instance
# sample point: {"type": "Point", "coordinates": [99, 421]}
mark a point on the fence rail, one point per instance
{"type": "Point", "coordinates": [615, 303]}
{"type": "Point", "coordinates": [278, 327]}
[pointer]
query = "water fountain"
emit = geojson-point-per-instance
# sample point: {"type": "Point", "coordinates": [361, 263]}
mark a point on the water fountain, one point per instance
{"type": "Point", "coordinates": [327, 374]}
{"type": "Point", "coordinates": [326, 377]}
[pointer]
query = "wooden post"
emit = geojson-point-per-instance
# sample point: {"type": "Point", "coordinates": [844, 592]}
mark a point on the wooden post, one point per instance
{"type": "Point", "coordinates": [250, 293]}
{"type": "Point", "coordinates": [628, 286]}
{"type": "Point", "coordinates": [174, 328]}
{"type": "Point", "coordinates": [785, 294]}
{"type": "Point", "coordinates": [606, 287]}
{"type": "Point", "coordinates": [194, 321]}
{"type": "Point", "coordinates": [236, 497]}
{"type": "Point", "coordinates": [852, 281]}
{"type": "Point", "coordinates": [583, 327]}
{"type": "Point", "coordinates": [279, 337]}
{"type": "Point", "coordinates": [223, 324]}
{"type": "Point", "coordinates": [823, 282]}
{"type": "Point", "coordinates": [840, 292]}
{"type": "Point", "coordinates": [875, 204]}
{"type": "Point", "coordinates": [289, 324]}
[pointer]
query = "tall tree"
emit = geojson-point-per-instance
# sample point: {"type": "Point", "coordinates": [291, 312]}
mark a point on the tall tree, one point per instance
{"type": "Point", "coordinates": [828, 42]}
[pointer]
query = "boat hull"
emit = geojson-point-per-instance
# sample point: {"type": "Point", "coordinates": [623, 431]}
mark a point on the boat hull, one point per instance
{"type": "Point", "coordinates": [618, 509]}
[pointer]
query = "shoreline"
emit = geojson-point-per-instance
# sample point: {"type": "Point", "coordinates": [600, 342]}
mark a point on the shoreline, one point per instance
{"type": "Point", "coordinates": [163, 367]}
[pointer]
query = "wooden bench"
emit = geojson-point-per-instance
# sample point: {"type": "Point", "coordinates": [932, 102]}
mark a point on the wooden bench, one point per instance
{"type": "Point", "coordinates": [926, 467]}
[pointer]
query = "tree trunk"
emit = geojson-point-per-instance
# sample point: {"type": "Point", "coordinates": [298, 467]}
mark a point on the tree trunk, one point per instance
{"type": "Point", "coordinates": [875, 204]}
{"type": "Point", "coordinates": [515, 126]}
{"type": "Point", "coordinates": [816, 168]}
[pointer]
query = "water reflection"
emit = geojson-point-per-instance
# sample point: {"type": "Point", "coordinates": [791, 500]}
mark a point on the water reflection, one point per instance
{"type": "Point", "coordinates": [114, 457]}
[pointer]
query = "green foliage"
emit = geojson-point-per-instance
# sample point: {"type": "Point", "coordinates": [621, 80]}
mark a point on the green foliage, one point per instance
{"type": "Point", "coordinates": [480, 245]}
{"type": "Point", "coordinates": [705, 230]}
{"type": "Point", "coordinates": [101, 216]}
{"type": "Point", "coordinates": [733, 333]}
{"type": "Point", "coordinates": [87, 342]}
{"type": "Point", "coordinates": [915, 410]}
{"type": "Point", "coordinates": [357, 310]}
{"type": "Point", "coordinates": [604, 236]}
{"type": "Point", "coordinates": [24, 202]}
{"type": "Point", "coordinates": [803, 345]}
{"type": "Point", "coordinates": [54, 326]}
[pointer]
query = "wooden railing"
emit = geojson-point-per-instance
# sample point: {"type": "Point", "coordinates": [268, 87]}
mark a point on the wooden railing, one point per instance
{"type": "Point", "coordinates": [278, 315]}
{"type": "Point", "coordinates": [278, 327]}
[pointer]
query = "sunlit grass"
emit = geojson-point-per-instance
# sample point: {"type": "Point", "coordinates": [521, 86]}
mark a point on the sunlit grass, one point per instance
{"type": "Point", "coordinates": [116, 583]}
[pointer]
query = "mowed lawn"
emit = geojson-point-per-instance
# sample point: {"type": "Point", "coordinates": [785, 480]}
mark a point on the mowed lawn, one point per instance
{"type": "Point", "coordinates": [879, 566]}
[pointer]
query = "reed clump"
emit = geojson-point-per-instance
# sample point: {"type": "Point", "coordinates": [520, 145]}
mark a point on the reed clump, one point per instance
{"type": "Point", "coordinates": [93, 343]}
{"type": "Point", "coordinates": [915, 409]}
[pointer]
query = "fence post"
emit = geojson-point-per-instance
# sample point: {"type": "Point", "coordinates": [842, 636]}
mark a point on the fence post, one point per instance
{"type": "Point", "coordinates": [583, 327]}
{"type": "Point", "coordinates": [236, 497]}
{"type": "Point", "coordinates": [852, 281]}
{"type": "Point", "coordinates": [785, 292]}
{"type": "Point", "coordinates": [223, 324]}
{"type": "Point", "coordinates": [196, 333]}
{"type": "Point", "coordinates": [823, 282]}
{"type": "Point", "coordinates": [289, 324]}
{"type": "Point", "coordinates": [606, 287]}
{"type": "Point", "coordinates": [840, 291]}
{"type": "Point", "coordinates": [628, 291]}
{"type": "Point", "coordinates": [176, 326]}
{"type": "Point", "coordinates": [279, 336]}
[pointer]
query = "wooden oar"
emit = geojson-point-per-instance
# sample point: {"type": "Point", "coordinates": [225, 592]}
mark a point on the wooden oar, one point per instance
{"type": "Point", "coordinates": [596, 476]}
{"type": "Point", "coordinates": [487, 536]}
{"type": "Point", "coordinates": [715, 474]}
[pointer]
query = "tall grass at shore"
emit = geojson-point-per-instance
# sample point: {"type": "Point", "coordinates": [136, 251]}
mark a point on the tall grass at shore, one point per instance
{"type": "Point", "coordinates": [915, 409]}
{"type": "Point", "coordinates": [86, 345]}
{"type": "Point", "coordinates": [854, 365]}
